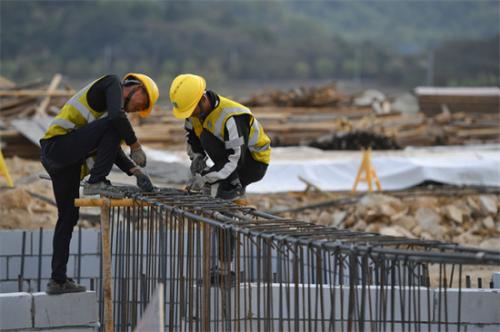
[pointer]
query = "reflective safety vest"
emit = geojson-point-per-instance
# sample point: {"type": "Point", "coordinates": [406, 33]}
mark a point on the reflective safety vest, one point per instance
{"type": "Point", "coordinates": [74, 114]}
{"type": "Point", "coordinates": [259, 143]}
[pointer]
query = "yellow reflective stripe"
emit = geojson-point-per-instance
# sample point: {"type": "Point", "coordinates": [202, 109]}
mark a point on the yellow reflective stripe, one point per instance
{"type": "Point", "coordinates": [259, 149]}
{"type": "Point", "coordinates": [222, 116]}
{"type": "Point", "coordinates": [254, 137]}
{"type": "Point", "coordinates": [82, 109]}
{"type": "Point", "coordinates": [63, 123]}
{"type": "Point", "coordinates": [84, 112]}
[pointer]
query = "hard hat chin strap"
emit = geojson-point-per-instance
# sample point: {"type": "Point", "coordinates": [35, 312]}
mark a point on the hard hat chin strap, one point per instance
{"type": "Point", "coordinates": [130, 95]}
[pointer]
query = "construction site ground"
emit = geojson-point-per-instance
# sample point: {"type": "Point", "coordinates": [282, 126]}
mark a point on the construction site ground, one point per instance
{"type": "Point", "coordinates": [466, 215]}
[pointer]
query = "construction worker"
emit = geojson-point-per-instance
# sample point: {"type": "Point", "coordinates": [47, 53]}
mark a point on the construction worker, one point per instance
{"type": "Point", "coordinates": [84, 138]}
{"type": "Point", "coordinates": [224, 130]}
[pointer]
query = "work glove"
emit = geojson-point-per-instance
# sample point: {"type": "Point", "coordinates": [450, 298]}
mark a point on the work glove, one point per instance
{"type": "Point", "coordinates": [143, 181]}
{"type": "Point", "coordinates": [196, 183]}
{"type": "Point", "coordinates": [198, 164]}
{"type": "Point", "coordinates": [138, 156]}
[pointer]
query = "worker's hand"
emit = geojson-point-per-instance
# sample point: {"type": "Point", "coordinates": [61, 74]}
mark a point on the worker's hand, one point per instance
{"type": "Point", "coordinates": [197, 183]}
{"type": "Point", "coordinates": [138, 155]}
{"type": "Point", "coordinates": [143, 181]}
{"type": "Point", "coordinates": [198, 163]}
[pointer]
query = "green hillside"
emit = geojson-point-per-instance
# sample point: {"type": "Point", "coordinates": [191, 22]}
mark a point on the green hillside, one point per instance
{"type": "Point", "coordinates": [378, 40]}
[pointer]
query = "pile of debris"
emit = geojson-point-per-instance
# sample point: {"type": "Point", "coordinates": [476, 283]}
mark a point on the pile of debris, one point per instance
{"type": "Point", "coordinates": [21, 103]}
{"type": "Point", "coordinates": [468, 217]}
{"type": "Point", "coordinates": [355, 140]}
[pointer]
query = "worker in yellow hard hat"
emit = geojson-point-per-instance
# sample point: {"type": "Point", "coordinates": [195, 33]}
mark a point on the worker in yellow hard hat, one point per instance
{"type": "Point", "coordinates": [84, 138]}
{"type": "Point", "coordinates": [223, 130]}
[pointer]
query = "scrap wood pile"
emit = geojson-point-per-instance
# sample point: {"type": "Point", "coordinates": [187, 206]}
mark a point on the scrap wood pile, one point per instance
{"type": "Point", "coordinates": [322, 96]}
{"type": "Point", "coordinates": [35, 99]}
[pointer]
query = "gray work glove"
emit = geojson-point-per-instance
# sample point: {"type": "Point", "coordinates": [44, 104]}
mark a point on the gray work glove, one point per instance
{"type": "Point", "coordinates": [143, 181]}
{"type": "Point", "coordinates": [196, 183]}
{"type": "Point", "coordinates": [198, 164]}
{"type": "Point", "coordinates": [138, 156]}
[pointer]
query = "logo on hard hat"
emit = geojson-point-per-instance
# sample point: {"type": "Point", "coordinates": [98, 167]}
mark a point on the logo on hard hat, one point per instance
{"type": "Point", "coordinates": [175, 104]}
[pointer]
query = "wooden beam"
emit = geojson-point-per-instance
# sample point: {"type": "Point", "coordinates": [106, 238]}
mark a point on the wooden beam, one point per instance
{"type": "Point", "coordinates": [96, 202]}
{"type": "Point", "coordinates": [36, 93]}
{"type": "Point", "coordinates": [42, 108]}
{"type": "Point", "coordinates": [106, 264]}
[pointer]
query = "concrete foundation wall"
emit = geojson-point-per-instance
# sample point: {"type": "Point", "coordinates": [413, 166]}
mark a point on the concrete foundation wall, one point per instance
{"type": "Point", "coordinates": [42, 312]}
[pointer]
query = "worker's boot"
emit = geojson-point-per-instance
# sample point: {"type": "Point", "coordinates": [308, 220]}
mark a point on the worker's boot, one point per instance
{"type": "Point", "coordinates": [230, 191]}
{"type": "Point", "coordinates": [69, 286]}
{"type": "Point", "coordinates": [102, 188]}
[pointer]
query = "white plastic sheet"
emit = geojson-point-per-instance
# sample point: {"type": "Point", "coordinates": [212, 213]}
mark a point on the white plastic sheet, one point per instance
{"type": "Point", "coordinates": [336, 170]}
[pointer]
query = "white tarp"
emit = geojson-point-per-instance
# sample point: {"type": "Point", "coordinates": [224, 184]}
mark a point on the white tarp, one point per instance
{"type": "Point", "coordinates": [336, 170]}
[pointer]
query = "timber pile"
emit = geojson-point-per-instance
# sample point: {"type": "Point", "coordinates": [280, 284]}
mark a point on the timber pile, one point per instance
{"type": "Point", "coordinates": [322, 96]}
{"type": "Point", "coordinates": [322, 116]}
{"type": "Point", "coordinates": [432, 100]}
{"type": "Point", "coordinates": [27, 101]}
{"type": "Point", "coordinates": [316, 116]}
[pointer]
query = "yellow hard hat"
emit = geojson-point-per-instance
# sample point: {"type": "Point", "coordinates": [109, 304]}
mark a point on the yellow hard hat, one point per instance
{"type": "Point", "coordinates": [151, 90]}
{"type": "Point", "coordinates": [185, 93]}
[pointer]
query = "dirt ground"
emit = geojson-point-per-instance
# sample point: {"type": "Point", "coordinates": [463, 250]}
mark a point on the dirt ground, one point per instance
{"type": "Point", "coordinates": [465, 216]}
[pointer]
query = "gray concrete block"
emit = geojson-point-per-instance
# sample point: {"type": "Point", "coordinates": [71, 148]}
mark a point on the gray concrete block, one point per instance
{"type": "Point", "coordinates": [68, 329]}
{"type": "Point", "coordinates": [496, 279]}
{"type": "Point", "coordinates": [47, 235]}
{"type": "Point", "coordinates": [478, 306]}
{"type": "Point", "coordinates": [90, 266]}
{"type": "Point", "coordinates": [73, 309]}
{"type": "Point", "coordinates": [11, 242]}
{"type": "Point", "coordinates": [15, 311]}
{"type": "Point", "coordinates": [90, 240]}
{"type": "Point", "coordinates": [8, 286]}
{"type": "Point", "coordinates": [3, 268]}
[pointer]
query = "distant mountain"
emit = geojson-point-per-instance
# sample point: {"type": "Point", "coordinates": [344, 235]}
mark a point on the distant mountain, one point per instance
{"type": "Point", "coordinates": [381, 40]}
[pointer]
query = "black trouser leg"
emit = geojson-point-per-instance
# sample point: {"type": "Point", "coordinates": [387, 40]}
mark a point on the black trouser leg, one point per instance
{"type": "Point", "coordinates": [251, 171]}
{"type": "Point", "coordinates": [98, 136]}
{"type": "Point", "coordinates": [66, 185]}
{"type": "Point", "coordinates": [62, 157]}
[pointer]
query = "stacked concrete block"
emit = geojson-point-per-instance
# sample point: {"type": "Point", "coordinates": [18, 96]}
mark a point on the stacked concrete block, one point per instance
{"type": "Point", "coordinates": [42, 312]}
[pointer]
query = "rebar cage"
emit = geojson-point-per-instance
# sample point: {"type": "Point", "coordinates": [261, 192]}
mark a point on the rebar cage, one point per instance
{"type": "Point", "coordinates": [228, 267]}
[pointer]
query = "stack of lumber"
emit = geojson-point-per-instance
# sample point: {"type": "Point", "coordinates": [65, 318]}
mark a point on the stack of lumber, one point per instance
{"type": "Point", "coordinates": [21, 102]}
{"type": "Point", "coordinates": [347, 126]}
{"type": "Point", "coordinates": [432, 100]}
{"type": "Point", "coordinates": [322, 96]}
{"type": "Point", "coordinates": [307, 116]}
{"type": "Point", "coordinates": [319, 116]}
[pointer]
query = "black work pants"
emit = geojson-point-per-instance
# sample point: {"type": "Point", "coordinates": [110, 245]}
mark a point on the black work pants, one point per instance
{"type": "Point", "coordinates": [248, 170]}
{"type": "Point", "coordinates": [62, 157]}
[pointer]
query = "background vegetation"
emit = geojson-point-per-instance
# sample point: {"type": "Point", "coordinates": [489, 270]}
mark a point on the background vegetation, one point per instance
{"type": "Point", "coordinates": [404, 43]}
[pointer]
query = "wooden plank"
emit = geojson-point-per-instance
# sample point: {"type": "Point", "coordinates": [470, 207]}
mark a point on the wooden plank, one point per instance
{"type": "Point", "coordinates": [106, 266]}
{"type": "Point", "coordinates": [97, 202]}
{"type": "Point", "coordinates": [42, 108]}
{"type": "Point", "coordinates": [36, 93]}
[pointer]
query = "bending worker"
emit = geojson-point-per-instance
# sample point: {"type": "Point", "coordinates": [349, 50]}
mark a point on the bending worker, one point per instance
{"type": "Point", "coordinates": [85, 138]}
{"type": "Point", "coordinates": [224, 130]}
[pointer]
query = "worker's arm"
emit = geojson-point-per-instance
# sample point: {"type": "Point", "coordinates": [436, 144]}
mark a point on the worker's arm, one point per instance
{"type": "Point", "coordinates": [194, 147]}
{"type": "Point", "coordinates": [127, 166]}
{"type": "Point", "coordinates": [106, 95]}
{"type": "Point", "coordinates": [236, 140]}
{"type": "Point", "coordinates": [124, 163]}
